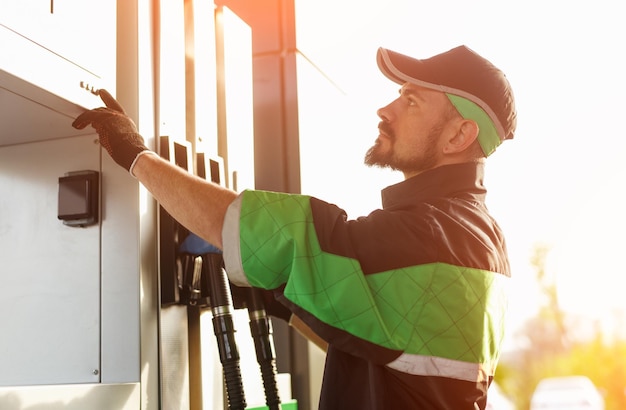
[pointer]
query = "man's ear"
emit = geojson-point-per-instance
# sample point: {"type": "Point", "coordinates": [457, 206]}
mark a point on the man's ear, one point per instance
{"type": "Point", "coordinates": [466, 134]}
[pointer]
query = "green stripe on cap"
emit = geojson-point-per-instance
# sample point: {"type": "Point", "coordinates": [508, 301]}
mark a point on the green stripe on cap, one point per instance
{"type": "Point", "coordinates": [487, 136]}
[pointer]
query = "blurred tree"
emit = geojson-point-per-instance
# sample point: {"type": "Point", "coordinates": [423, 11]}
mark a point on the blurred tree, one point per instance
{"type": "Point", "coordinates": [548, 330]}
{"type": "Point", "coordinates": [552, 350]}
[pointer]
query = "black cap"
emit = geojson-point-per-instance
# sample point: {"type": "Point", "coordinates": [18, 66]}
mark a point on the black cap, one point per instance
{"type": "Point", "coordinates": [463, 73]}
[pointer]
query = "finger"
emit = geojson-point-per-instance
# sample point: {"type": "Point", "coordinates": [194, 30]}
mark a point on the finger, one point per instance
{"type": "Point", "coordinates": [82, 121]}
{"type": "Point", "coordinates": [90, 117]}
{"type": "Point", "coordinates": [110, 102]}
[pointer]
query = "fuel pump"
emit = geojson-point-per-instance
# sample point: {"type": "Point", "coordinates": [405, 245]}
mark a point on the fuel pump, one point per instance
{"type": "Point", "coordinates": [193, 274]}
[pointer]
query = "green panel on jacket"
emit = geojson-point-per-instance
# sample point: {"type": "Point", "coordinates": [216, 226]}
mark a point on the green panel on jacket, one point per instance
{"type": "Point", "coordinates": [417, 309]}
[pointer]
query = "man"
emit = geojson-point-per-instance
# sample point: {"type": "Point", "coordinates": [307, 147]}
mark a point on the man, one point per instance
{"type": "Point", "coordinates": [410, 299]}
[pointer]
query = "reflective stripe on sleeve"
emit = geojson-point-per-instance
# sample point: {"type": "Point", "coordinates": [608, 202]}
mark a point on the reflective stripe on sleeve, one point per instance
{"type": "Point", "coordinates": [437, 366]}
{"type": "Point", "coordinates": [231, 245]}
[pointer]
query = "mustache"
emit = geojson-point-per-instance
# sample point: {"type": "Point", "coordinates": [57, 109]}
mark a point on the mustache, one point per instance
{"type": "Point", "coordinates": [385, 128]}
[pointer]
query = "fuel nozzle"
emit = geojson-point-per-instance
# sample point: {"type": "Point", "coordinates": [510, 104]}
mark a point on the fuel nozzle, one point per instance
{"type": "Point", "coordinates": [209, 273]}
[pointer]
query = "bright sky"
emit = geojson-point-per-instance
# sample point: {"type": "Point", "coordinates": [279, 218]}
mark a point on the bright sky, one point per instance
{"type": "Point", "coordinates": [559, 182]}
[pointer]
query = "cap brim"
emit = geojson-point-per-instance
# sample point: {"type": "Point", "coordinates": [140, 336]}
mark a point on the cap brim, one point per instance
{"type": "Point", "coordinates": [402, 69]}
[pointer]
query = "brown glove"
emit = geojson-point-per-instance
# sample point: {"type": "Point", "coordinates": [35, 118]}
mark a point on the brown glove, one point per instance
{"type": "Point", "coordinates": [117, 131]}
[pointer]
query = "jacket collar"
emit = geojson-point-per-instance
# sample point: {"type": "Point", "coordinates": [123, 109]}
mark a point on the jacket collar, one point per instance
{"type": "Point", "coordinates": [456, 180]}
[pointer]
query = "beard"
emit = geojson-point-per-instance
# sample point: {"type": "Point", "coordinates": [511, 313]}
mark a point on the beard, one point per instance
{"type": "Point", "coordinates": [416, 162]}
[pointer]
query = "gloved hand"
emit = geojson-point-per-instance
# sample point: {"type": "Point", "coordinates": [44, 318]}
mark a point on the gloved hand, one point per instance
{"type": "Point", "coordinates": [118, 133]}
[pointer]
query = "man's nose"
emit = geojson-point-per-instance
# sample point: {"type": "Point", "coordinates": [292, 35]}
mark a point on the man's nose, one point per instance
{"type": "Point", "coordinates": [384, 113]}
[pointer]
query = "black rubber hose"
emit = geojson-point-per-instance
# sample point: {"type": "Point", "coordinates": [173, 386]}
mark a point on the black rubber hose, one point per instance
{"type": "Point", "coordinates": [224, 329]}
{"type": "Point", "coordinates": [261, 330]}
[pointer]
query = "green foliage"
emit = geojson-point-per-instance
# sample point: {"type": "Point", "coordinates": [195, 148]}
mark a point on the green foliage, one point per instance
{"type": "Point", "coordinates": [554, 351]}
{"type": "Point", "coordinates": [604, 364]}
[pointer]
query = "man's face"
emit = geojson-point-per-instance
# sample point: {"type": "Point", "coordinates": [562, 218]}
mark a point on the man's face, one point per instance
{"type": "Point", "coordinates": [410, 131]}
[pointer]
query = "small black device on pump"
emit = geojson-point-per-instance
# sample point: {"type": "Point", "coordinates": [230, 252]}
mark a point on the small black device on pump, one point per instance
{"type": "Point", "coordinates": [79, 194]}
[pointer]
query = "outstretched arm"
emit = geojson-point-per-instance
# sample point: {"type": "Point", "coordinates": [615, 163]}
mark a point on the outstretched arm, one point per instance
{"type": "Point", "coordinates": [198, 204]}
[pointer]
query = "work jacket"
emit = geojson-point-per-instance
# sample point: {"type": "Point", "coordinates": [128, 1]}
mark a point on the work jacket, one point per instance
{"type": "Point", "coordinates": [411, 298]}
